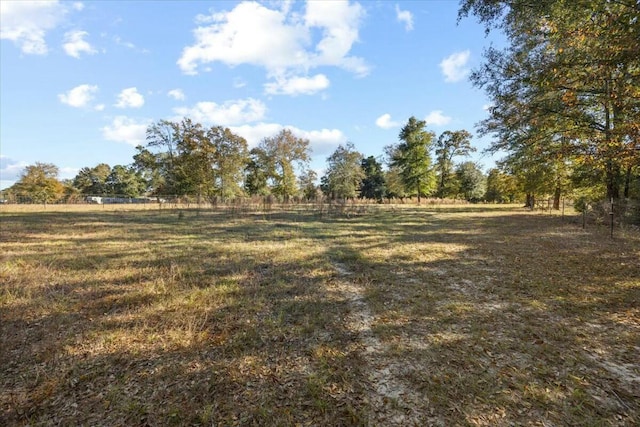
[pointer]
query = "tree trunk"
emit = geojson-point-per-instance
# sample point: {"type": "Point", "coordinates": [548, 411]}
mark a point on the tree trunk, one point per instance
{"type": "Point", "coordinates": [612, 177]}
{"type": "Point", "coordinates": [530, 201]}
{"type": "Point", "coordinates": [627, 182]}
{"type": "Point", "coordinates": [556, 198]}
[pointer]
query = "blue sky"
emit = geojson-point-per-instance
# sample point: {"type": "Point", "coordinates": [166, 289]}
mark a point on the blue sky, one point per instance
{"type": "Point", "coordinates": [81, 81]}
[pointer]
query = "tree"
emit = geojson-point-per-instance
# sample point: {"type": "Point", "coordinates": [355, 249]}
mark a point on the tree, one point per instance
{"type": "Point", "coordinates": [449, 145]}
{"type": "Point", "coordinates": [282, 150]}
{"type": "Point", "coordinates": [412, 159]}
{"type": "Point", "coordinates": [229, 160]}
{"type": "Point", "coordinates": [93, 181]}
{"type": "Point", "coordinates": [344, 172]}
{"type": "Point", "coordinates": [125, 181]}
{"type": "Point", "coordinates": [575, 70]}
{"type": "Point", "coordinates": [501, 187]}
{"type": "Point", "coordinates": [151, 168]}
{"type": "Point", "coordinates": [157, 160]}
{"type": "Point", "coordinates": [471, 180]}
{"type": "Point", "coordinates": [308, 186]}
{"type": "Point", "coordinates": [373, 184]}
{"type": "Point", "coordinates": [39, 182]}
{"type": "Point", "coordinates": [257, 172]}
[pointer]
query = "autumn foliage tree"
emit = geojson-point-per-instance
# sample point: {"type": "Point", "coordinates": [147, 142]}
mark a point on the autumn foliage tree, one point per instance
{"type": "Point", "coordinates": [566, 91]}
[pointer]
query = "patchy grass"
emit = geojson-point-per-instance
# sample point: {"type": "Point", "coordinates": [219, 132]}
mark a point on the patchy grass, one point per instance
{"type": "Point", "coordinates": [439, 315]}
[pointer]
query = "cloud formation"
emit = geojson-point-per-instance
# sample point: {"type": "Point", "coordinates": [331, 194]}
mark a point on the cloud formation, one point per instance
{"type": "Point", "coordinates": [436, 118]}
{"type": "Point", "coordinates": [229, 113]}
{"type": "Point", "coordinates": [26, 23]}
{"type": "Point", "coordinates": [454, 67]}
{"type": "Point", "coordinates": [406, 17]}
{"type": "Point", "coordinates": [80, 96]}
{"type": "Point", "coordinates": [130, 98]}
{"type": "Point", "coordinates": [297, 85]}
{"type": "Point", "coordinates": [127, 130]}
{"type": "Point", "coordinates": [176, 94]}
{"type": "Point", "coordinates": [75, 44]}
{"type": "Point", "coordinates": [385, 122]}
{"type": "Point", "coordinates": [283, 42]}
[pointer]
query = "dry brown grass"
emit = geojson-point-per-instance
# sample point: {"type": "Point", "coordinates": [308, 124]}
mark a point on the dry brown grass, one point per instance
{"type": "Point", "coordinates": [394, 316]}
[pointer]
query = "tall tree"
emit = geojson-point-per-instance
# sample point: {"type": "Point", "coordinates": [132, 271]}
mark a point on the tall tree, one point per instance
{"type": "Point", "coordinates": [282, 151]}
{"type": "Point", "coordinates": [373, 184]}
{"type": "Point", "coordinates": [412, 159]}
{"type": "Point", "coordinates": [39, 183]}
{"type": "Point", "coordinates": [449, 145]}
{"type": "Point", "coordinates": [472, 182]}
{"type": "Point", "coordinates": [573, 68]}
{"type": "Point", "coordinates": [344, 172]}
{"type": "Point", "coordinates": [157, 160]}
{"type": "Point", "coordinates": [257, 172]}
{"type": "Point", "coordinates": [229, 161]}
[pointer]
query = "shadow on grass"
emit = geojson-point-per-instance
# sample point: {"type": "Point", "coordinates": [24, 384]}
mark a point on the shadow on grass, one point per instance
{"type": "Point", "coordinates": [150, 318]}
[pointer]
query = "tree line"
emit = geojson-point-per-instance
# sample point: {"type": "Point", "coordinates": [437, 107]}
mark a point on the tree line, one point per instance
{"type": "Point", "coordinates": [565, 115]}
{"type": "Point", "coordinates": [187, 159]}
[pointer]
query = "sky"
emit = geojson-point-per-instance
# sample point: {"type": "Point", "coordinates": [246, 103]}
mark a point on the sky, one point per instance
{"type": "Point", "coordinates": [81, 81]}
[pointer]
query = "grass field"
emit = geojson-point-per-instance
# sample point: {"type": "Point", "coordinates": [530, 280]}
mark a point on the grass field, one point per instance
{"type": "Point", "coordinates": [407, 315]}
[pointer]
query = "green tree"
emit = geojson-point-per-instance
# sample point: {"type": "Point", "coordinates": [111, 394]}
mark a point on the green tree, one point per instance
{"type": "Point", "coordinates": [373, 184]}
{"type": "Point", "coordinates": [125, 181]}
{"type": "Point", "coordinates": [282, 151]}
{"type": "Point", "coordinates": [257, 172]}
{"type": "Point", "coordinates": [472, 182]}
{"type": "Point", "coordinates": [412, 159]}
{"type": "Point", "coordinates": [229, 161]}
{"type": "Point", "coordinates": [395, 188]}
{"type": "Point", "coordinates": [308, 186]}
{"type": "Point", "coordinates": [344, 172]}
{"type": "Point", "coordinates": [449, 145]}
{"type": "Point", "coordinates": [151, 168]}
{"type": "Point", "coordinates": [93, 181]}
{"type": "Point", "coordinates": [39, 183]}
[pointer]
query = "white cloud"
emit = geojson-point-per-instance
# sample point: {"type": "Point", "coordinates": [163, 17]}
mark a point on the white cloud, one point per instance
{"type": "Point", "coordinates": [454, 66]}
{"type": "Point", "coordinates": [406, 17]}
{"type": "Point", "coordinates": [230, 113]}
{"type": "Point", "coordinates": [125, 129]}
{"type": "Point", "coordinates": [436, 118]}
{"type": "Point", "coordinates": [297, 85]}
{"type": "Point", "coordinates": [79, 96]}
{"type": "Point", "coordinates": [322, 141]}
{"type": "Point", "coordinates": [385, 122]}
{"type": "Point", "coordinates": [78, 6]}
{"type": "Point", "coordinates": [130, 98]}
{"type": "Point", "coordinates": [177, 94]}
{"type": "Point", "coordinates": [238, 83]}
{"type": "Point", "coordinates": [26, 23]}
{"type": "Point", "coordinates": [279, 40]}
{"type": "Point", "coordinates": [75, 44]}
